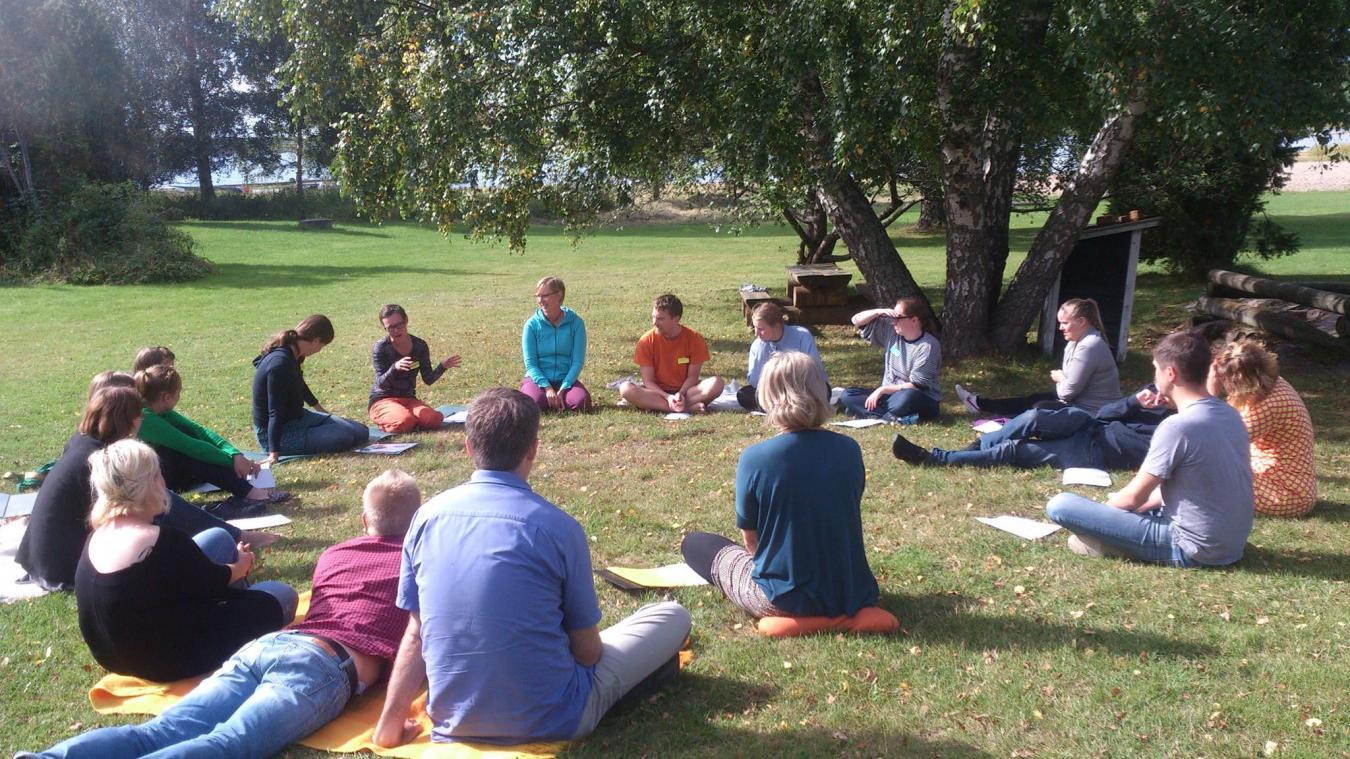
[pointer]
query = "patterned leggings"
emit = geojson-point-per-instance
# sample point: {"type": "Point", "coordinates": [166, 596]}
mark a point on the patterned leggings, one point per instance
{"type": "Point", "coordinates": [729, 568]}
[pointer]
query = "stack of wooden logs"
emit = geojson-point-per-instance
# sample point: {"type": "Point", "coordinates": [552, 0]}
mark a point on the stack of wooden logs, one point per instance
{"type": "Point", "coordinates": [1315, 312]}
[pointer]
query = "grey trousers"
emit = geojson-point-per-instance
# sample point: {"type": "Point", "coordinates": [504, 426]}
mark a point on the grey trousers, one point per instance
{"type": "Point", "coordinates": [632, 649]}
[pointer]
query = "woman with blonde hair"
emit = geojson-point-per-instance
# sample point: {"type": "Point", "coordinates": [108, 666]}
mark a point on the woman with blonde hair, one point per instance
{"type": "Point", "coordinates": [1278, 424]}
{"type": "Point", "coordinates": [280, 420]}
{"type": "Point", "coordinates": [1087, 378]}
{"type": "Point", "coordinates": [153, 602]}
{"type": "Point", "coordinates": [799, 508]}
{"type": "Point", "coordinates": [772, 335]}
{"type": "Point", "coordinates": [553, 344]}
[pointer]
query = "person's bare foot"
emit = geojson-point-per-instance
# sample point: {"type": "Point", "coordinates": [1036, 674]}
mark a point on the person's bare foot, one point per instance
{"type": "Point", "coordinates": [258, 539]}
{"type": "Point", "coordinates": [698, 408]}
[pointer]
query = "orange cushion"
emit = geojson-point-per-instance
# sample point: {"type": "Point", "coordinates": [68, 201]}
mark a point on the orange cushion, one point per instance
{"type": "Point", "coordinates": [869, 619]}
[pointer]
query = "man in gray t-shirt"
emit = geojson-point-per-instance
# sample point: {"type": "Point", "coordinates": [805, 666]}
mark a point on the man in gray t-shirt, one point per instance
{"type": "Point", "coordinates": [913, 358]}
{"type": "Point", "coordinates": [1191, 502]}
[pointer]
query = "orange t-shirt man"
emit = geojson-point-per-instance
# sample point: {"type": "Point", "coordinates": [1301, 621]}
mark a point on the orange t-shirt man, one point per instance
{"type": "Point", "coordinates": [670, 358]}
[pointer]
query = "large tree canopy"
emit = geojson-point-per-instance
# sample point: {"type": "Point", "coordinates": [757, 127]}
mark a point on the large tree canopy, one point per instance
{"type": "Point", "coordinates": [475, 110]}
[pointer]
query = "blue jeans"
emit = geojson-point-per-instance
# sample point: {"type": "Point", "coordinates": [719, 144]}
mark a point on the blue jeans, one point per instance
{"type": "Point", "coordinates": [189, 519]}
{"type": "Point", "coordinates": [317, 433]}
{"type": "Point", "coordinates": [220, 547]}
{"type": "Point", "coordinates": [272, 692]}
{"type": "Point", "coordinates": [1077, 451]}
{"type": "Point", "coordinates": [1044, 425]}
{"type": "Point", "coordinates": [903, 403]}
{"type": "Point", "coordinates": [1146, 537]}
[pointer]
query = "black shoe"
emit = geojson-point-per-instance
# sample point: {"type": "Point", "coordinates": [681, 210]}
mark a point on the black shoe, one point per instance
{"type": "Point", "coordinates": [236, 508]}
{"type": "Point", "coordinates": [648, 687]}
{"type": "Point", "coordinates": [906, 451]}
{"type": "Point", "coordinates": [975, 446]}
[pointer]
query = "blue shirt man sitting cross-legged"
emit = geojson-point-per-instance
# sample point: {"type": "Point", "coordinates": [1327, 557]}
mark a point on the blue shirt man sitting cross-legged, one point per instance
{"type": "Point", "coordinates": [504, 624]}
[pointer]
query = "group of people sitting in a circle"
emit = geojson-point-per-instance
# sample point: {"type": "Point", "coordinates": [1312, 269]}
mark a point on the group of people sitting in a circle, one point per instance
{"type": "Point", "coordinates": [163, 590]}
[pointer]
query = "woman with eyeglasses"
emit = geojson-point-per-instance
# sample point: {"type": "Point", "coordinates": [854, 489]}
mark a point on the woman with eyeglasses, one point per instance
{"type": "Point", "coordinates": [398, 359]}
{"type": "Point", "coordinates": [913, 358]}
{"type": "Point", "coordinates": [554, 345]}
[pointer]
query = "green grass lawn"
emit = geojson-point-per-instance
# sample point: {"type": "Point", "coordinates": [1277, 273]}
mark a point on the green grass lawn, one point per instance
{"type": "Point", "coordinates": [1009, 648]}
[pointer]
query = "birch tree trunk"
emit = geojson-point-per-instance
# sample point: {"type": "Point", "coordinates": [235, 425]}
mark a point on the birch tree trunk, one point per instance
{"type": "Point", "coordinates": [1026, 293]}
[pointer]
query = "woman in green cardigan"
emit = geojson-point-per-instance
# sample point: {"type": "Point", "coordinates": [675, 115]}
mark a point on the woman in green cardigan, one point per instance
{"type": "Point", "coordinates": [190, 454]}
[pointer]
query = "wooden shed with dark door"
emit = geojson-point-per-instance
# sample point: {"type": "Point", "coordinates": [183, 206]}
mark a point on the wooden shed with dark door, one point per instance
{"type": "Point", "coordinates": [1102, 267]}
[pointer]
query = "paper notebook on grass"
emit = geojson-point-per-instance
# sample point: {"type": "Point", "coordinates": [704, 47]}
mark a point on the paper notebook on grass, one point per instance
{"type": "Point", "coordinates": [989, 425]}
{"type": "Point", "coordinates": [1031, 529]}
{"type": "Point", "coordinates": [260, 523]}
{"type": "Point", "coordinates": [385, 449]}
{"type": "Point", "coordinates": [453, 414]}
{"type": "Point", "coordinates": [858, 423]}
{"type": "Point", "coordinates": [1077, 475]}
{"type": "Point", "coordinates": [263, 479]}
{"type": "Point", "coordinates": [635, 578]}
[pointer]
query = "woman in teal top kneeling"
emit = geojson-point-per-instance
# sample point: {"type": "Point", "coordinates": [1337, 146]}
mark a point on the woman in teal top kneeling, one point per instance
{"type": "Point", "coordinates": [554, 345]}
{"type": "Point", "coordinates": [799, 508]}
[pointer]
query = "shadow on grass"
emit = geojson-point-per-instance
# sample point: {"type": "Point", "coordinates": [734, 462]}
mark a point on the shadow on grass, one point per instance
{"type": "Point", "coordinates": [244, 276]}
{"type": "Point", "coordinates": [691, 718]}
{"type": "Point", "coordinates": [1330, 511]}
{"type": "Point", "coordinates": [943, 617]}
{"type": "Point", "coordinates": [1296, 562]}
{"type": "Point", "coordinates": [285, 226]}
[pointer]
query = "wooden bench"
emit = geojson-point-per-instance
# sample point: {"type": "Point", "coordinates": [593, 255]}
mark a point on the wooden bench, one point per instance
{"type": "Point", "coordinates": [818, 285]}
{"type": "Point", "coordinates": [751, 300]}
{"type": "Point", "coordinates": [316, 223]}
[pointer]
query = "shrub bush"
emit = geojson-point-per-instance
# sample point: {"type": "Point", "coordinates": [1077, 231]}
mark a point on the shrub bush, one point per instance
{"type": "Point", "coordinates": [1211, 200]}
{"type": "Point", "coordinates": [283, 205]}
{"type": "Point", "coordinates": [103, 234]}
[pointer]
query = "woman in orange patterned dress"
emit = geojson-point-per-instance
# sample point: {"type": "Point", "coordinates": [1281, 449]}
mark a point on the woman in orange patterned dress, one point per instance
{"type": "Point", "coordinates": [1277, 421]}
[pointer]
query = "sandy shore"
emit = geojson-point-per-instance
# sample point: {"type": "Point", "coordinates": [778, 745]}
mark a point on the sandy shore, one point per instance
{"type": "Point", "coordinates": [1308, 176]}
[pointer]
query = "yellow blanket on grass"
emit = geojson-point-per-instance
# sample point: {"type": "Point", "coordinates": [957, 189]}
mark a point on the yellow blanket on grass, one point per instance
{"type": "Point", "coordinates": [349, 733]}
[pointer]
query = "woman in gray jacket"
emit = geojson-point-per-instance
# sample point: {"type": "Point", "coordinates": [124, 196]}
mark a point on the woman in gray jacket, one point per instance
{"type": "Point", "coordinates": [1088, 378]}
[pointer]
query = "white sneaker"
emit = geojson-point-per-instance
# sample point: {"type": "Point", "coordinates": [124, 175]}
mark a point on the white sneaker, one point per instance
{"type": "Point", "coordinates": [1085, 546]}
{"type": "Point", "coordinates": [968, 399]}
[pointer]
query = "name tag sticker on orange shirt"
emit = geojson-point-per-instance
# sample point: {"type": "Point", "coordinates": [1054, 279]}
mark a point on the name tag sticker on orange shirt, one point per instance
{"type": "Point", "coordinates": [682, 360]}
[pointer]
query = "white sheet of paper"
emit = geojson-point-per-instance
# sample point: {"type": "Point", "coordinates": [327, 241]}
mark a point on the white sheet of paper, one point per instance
{"type": "Point", "coordinates": [1031, 529]}
{"type": "Point", "coordinates": [260, 523]}
{"type": "Point", "coordinates": [677, 415]}
{"type": "Point", "coordinates": [987, 426]}
{"type": "Point", "coordinates": [858, 423]}
{"type": "Point", "coordinates": [1077, 475]}
{"type": "Point", "coordinates": [386, 449]}
{"type": "Point", "coordinates": [263, 479]}
{"type": "Point", "coordinates": [459, 417]}
{"type": "Point", "coordinates": [11, 534]}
